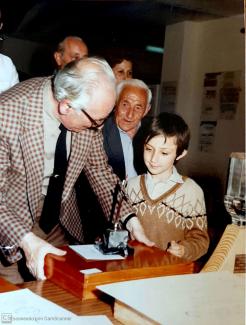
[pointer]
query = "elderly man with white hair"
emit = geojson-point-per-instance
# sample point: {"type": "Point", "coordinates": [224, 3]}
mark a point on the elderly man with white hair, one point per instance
{"type": "Point", "coordinates": [123, 145]}
{"type": "Point", "coordinates": [132, 105]}
{"type": "Point", "coordinates": [36, 118]}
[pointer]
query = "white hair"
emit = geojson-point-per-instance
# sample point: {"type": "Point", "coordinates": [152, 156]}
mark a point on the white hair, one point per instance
{"type": "Point", "coordinates": [80, 79]}
{"type": "Point", "coordinates": [134, 83]}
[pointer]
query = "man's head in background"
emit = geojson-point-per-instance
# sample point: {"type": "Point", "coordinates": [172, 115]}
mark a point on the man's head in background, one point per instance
{"type": "Point", "coordinates": [70, 49]}
{"type": "Point", "coordinates": [132, 104]}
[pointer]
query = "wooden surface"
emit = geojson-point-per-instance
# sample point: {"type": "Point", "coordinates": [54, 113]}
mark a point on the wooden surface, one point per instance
{"type": "Point", "coordinates": [216, 298]}
{"type": "Point", "coordinates": [145, 262]}
{"type": "Point", "coordinates": [231, 244]}
{"type": "Point", "coordinates": [48, 290]}
{"type": "Point", "coordinates": [6, 286]}
{"type": "Point", "coordinates": [130, 316]}
{"type": "Point", "coordinates": [229, 255]}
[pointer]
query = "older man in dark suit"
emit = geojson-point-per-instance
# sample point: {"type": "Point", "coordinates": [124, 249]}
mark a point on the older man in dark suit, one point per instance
{"type": "Point", "coordinates": [31, 115]}
{"type": "Point", "coordinates": [123, 145]}
{"type": "Point", "coordinates": [121, 128]}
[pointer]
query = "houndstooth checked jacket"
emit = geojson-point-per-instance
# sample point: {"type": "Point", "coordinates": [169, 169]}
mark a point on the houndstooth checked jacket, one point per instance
{"type": "Point", "coordinates": [22, 164]}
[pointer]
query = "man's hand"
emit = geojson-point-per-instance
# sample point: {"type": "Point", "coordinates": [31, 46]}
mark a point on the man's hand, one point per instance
{"type": "Point", "coordinates": [136, 231]}
{"type": "Point", "coordinates": [35, 250]}
{"type": "Point", "coordinates": [176, 249]}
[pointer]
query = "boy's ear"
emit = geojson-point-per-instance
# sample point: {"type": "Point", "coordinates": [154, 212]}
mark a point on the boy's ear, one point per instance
{"type": "Point", "coordinates": [184, 153]}
{"type": "Point", "coordinates": [63, 107]}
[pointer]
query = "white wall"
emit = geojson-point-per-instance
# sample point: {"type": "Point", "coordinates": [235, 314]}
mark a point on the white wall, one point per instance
{"type": "Point", "coordinates": [191, 50]}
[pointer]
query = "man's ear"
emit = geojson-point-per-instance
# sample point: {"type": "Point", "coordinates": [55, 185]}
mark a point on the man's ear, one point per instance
{"type": "Point", "coordinates": [63, 107]}
{"type": "Point", "coordinates": [58, 59]}
{"type": "Point", "coordinates": [184, 153]}
{"type": "Point", "coordinates": [147, 110]}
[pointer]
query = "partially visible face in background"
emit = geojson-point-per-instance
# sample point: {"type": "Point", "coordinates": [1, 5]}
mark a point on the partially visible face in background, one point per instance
{"type": "Point", "coordinates": [123, 70]}
{"type": "Point", "coordinates": [74, 49]}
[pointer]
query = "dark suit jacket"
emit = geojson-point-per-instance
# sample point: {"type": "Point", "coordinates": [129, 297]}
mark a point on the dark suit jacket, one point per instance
{"type": "Point", "coordinates": [113, 147]}
{"type": "Point", "coordinates": [114, 150]}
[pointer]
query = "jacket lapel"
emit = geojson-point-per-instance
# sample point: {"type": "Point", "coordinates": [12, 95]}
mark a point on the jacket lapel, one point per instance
{"type": "Point", "coordinates": [113, 147]}
{"type": "Point", "coordinates": [80, 144]}
{"type": "Point", "coordinates": [32, 144]}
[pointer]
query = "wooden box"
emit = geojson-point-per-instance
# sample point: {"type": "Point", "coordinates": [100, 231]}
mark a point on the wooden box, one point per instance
{"type": "Point", "coordinates": [145, 262]}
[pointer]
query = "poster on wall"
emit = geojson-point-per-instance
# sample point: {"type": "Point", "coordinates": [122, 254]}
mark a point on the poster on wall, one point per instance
{"type": "Point", "coordinates": [207, 135]}
{"type": "Point", "coordinates": [229, 94]}
{"type": "Point", "coordinates": [210, 102]}
{"type": "Point", "coordinates": [221, 92]}
{"type": "Point", "coordinates": [220, 95]}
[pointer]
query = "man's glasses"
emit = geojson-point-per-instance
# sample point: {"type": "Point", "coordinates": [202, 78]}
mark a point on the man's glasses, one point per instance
{"type": "Point", "coordinates": [94, 124]}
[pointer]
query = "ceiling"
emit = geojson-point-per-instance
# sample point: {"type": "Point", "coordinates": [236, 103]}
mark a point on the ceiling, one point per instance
{"type": "Point", "coordinates": [108, 25]}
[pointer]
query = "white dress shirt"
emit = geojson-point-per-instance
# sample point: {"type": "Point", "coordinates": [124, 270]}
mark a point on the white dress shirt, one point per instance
{"type": "Point", "coordinates": [155, 190]}
{"type": "Point", "coordinates": [127, 147]}
{"type": "Point", "coordinates": [51, 133]}
{"type": "Point", "coordinates": [8, 74]}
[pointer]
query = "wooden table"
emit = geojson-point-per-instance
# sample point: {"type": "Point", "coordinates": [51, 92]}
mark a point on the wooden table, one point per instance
{"type": "Point", "coordinates": [145, 262]}
{"type": "Point", "coordinates": [6, 286]}
{"type": "Point", "coordinates": [50, 291]}
{"type": "Point", "coordinates": [216, 298]}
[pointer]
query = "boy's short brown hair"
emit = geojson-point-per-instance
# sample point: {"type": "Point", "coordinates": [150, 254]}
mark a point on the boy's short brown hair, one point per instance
{"type": "Point", "coordinates": [169, 125]}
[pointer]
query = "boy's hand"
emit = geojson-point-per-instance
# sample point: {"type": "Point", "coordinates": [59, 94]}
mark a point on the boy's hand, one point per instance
{"type": "Point", "coordinates": [137, 232]}
{"type": "Point", "coordinates": [176, 249]}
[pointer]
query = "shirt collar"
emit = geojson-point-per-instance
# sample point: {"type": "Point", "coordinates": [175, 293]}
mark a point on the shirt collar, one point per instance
{"type": "Point", "coordinates": [48, 109]}
{"type": "Point", "coordinates": [124, 132]}
{"type": "Point", "coordinates": [175, 177]}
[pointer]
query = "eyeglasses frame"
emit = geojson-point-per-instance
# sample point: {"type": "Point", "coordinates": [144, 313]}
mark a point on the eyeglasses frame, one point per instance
{"type": "Point", "coordinates": [94, 124]}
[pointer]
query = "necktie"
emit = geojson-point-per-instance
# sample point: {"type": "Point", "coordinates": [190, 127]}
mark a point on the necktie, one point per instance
{"type": "Point", "coordinates": [52, 203]}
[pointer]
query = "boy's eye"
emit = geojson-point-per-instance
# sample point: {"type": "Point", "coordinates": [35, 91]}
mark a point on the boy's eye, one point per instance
{"type": "Point", "coordinates": [147, 149]}
{"type": "Point", "coordinates": [164, 153]}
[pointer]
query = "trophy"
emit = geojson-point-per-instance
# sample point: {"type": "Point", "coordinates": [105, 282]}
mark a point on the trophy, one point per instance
{"type": "Point", "coordinates": [114, 239]}
{"type": "Point", "coordinates": [234, 199]}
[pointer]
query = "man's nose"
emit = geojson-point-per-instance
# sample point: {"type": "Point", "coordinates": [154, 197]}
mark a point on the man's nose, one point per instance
{"type": "Point", "coordinates": [130, 112]}
{"type": "Point", "coordinates": [124, 77]}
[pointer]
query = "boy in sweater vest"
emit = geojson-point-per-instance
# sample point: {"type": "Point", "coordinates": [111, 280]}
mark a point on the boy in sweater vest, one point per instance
{"type": "Point", "coordinates": [170, 207]}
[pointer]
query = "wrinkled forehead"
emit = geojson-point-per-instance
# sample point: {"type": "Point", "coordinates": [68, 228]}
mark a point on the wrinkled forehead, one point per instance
{"type": "Point", "coordinates": [135, 92]}
{"type": "Point", "coordinates": [74, 44]}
